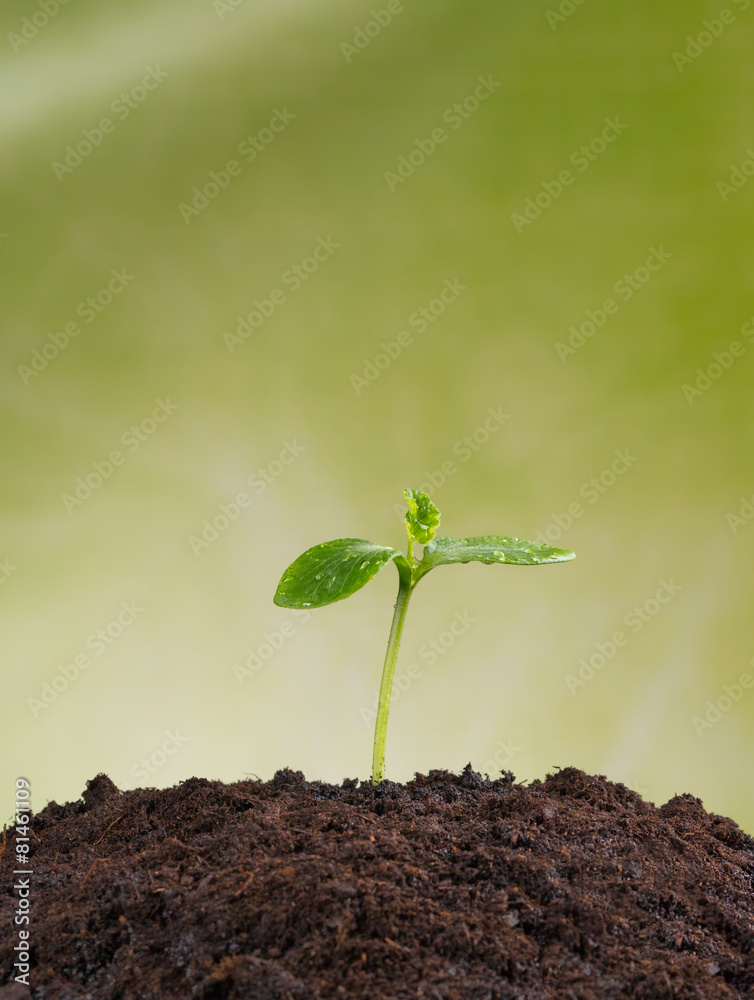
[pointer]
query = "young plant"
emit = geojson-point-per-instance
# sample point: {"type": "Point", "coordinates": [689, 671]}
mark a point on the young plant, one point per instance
{"type": "Point", "coordinates": [332, 571]}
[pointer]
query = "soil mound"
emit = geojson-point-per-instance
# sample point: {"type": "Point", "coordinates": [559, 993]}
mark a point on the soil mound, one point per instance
{"type": "Point", "coordinates": [451, 887]}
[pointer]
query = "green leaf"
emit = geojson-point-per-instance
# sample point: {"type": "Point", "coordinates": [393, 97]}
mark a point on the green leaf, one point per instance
{"type": "Point", "coordinates": [422, 517]}
{"type": "Point", "coordinates": [333, 571]}
{"type": "Point", "coordinates": [490, 549]}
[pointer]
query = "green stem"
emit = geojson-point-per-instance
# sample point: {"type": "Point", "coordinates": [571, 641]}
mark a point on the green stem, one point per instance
{"type": "Point", "coordinates": [380, 730]}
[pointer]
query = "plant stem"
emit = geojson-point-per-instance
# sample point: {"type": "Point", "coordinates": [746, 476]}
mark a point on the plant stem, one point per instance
{"type": "Point", "coordinates": [380, 730]}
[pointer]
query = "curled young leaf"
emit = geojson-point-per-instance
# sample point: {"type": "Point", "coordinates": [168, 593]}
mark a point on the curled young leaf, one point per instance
{"type": "Point", "coordinates": [334, 570]}
{"type": "Point", "coordinates": [422, 517]}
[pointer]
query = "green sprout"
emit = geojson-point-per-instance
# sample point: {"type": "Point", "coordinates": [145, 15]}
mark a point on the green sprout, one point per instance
{"type": "Point", "coordinates": [332, 571]}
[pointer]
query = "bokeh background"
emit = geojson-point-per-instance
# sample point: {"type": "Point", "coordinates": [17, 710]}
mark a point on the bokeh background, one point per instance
{"type": "Point", "coordinates": [198, 678]}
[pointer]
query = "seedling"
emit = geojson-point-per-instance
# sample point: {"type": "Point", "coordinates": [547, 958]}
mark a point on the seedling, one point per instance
{"type": "Point", "coordinates": [332, 571]}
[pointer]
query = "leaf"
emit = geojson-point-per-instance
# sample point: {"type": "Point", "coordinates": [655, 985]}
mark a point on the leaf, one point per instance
{"type": "Point", "coordinates": [490, 549]}
{"type": "Point", "coordinates": [422, 517]}
{"type": "Point", "coordinates": [333, 571]}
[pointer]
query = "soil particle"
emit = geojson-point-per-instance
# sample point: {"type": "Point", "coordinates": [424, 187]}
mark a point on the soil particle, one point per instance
{"type": "Point", "coordinates": [451, 887]}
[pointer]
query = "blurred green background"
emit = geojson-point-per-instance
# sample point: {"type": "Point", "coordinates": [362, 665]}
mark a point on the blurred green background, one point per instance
{"type": "Point", "coordinates": [184, 86]}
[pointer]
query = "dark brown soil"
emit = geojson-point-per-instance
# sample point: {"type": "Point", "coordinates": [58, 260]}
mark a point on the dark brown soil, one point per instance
{"type": "Point", "coordinates": [452, 887]}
